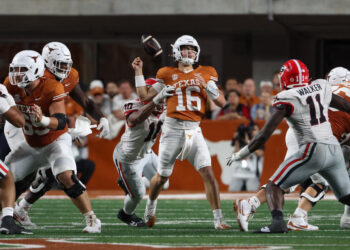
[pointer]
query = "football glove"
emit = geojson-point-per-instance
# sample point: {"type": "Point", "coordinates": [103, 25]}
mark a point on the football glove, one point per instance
{"type": "Point", "coordinates": [238, 156]}
{"type": "Point", "coordinates": [164, 93]}
{"type": "Point", "coordinates": [104, 125]}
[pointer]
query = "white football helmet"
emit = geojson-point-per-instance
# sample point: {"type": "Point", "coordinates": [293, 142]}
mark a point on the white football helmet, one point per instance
{"type": "Point", "coordinates": [338, 75]}
{"type": "Point", "coordinates": [181, 41]}
{"type": "Point", "coordinates": [58, 59]}
{"type": "Point", "coordinates": [26, 67]}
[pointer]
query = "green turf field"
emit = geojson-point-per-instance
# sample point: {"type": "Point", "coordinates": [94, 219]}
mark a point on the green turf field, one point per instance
{"type": "Point", "coordinates": [187, 223]}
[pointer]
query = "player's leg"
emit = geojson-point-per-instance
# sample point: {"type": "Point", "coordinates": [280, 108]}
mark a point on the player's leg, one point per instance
{"type": "Point", "coordinates": [170, 144]}
{"type": "Point", "coordinates": [292, 171]}
{"type": "Point", "coordinates": [7, 198]}
{"type": "Point", "coordinates": [63, 166]}
{"type": "Point", "coordinates": [199, 157]}
{"type": "Point", "coordinates": [131, 175]}
{"type": "Point", "coordinates": [42, 183]}
{"type": "Point", "coordinates": [345, 218]}
{"type": "Point", "coordinates": [313, 192]}
{"type": "Point", "coordinates": [150, 170]}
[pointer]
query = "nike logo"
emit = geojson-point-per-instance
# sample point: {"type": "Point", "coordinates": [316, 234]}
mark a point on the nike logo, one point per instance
{"type": "Point", "coordinates": [67, 84]}
{"type": "Point", "coordinates": [37, 99]}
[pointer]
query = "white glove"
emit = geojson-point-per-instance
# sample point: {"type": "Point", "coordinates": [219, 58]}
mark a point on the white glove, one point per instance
{"type": "Point", "coordinates": [104, 125]}
{"type": "Point", "coordinates": [164, 93]}
{"type": "Point", "coordinates": [238, 156]}
{"type": "Point", "coordinates": [82, 127]}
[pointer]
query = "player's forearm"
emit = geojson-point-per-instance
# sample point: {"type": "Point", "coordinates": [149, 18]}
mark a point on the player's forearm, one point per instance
{"type": "Point", "coordinates": [340, 103]}
{"type": "Point", "coordinates": [15, 117]}
{"type": "Point", "coordinates": [220, 101]}
{"type": "Point", "coordinates": [93, 110]}
{"type": "Point", "coordinates": [142, 114]}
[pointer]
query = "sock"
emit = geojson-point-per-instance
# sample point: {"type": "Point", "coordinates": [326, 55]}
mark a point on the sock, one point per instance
{"type": "Point", "coordinates": [151, 202]}
{"type": "Point", "coordinates": [217, 214]}
{"type": "Point", "coordinates": [86, 215]}
{"type": "Point", "coordinates": [25, 204]}
{"type": "Point", "coordinates": [130, 205]}
{"type": "Point", "coordinates": [300, 212]}
{"type": "Point", "coordinates": [277, 214]}
{"type": "Point", "coordinates": [347, 210]}
{"type": "Point", "coordinates": [254, 202]}
{"type": "Point", "coordinates": [7, 211]}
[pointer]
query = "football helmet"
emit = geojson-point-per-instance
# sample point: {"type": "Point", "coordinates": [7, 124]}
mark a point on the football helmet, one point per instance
{"type": "Point", "coordinates": [159, 109]}
{"type": "Point", "coordinates": [26, 67]}
{"type": "Point", "coordinates": [338, 75]}
{"type": "Point", "coordinates": [57, 59]}
{"type": "Point", "coordinates": [182, 41]}
{"type": "Point", "coordinates": [293, 74]}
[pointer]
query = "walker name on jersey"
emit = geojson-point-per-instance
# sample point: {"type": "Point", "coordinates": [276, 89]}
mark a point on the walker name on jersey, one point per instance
{"type": "Point", "coordinates": [309, 89]}
{"type": "Point", "coordinates": [26, 109]}
{"type": "Point", "coordinates": [185, 83]}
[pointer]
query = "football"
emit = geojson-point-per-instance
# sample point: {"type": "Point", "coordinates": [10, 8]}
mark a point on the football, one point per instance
{"type": "Point", "coordinates": [151, 45]}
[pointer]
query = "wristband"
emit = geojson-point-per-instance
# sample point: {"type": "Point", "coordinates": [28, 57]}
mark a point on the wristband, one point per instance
{"type": "Point", "coordinates": [45, 121]}
{"type": "Point", "coordinates": [212, 90]}
{"type": "Point", "coordinates": [140, 81]}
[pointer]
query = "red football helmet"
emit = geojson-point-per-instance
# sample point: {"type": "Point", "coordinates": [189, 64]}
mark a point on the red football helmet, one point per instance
{"type": "Point", "coordinates": [158, 110]}
{"type": "Point", "coordinates": [293, 74]}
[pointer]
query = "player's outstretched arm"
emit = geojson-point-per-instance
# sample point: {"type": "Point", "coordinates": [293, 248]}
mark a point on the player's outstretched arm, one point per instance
{"type": "Point", "coordinates": [340, 103]}
{"type": "Point", "coordinates": [87, 103]}
{"type": "Point", "coordinates": [145, 111]}
{"type": "Point", "coordinates": [263, 135]}
{"type": "Point", "coordinates": [141, 89]}
{"type": "Point", "coordinates": [15, 117]}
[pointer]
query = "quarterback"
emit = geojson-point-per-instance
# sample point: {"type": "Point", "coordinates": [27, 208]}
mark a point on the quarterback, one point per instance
{"type": "Point", "coordinates": [41, 100]}
{"type": "Point", "coordinates": [181, 136]}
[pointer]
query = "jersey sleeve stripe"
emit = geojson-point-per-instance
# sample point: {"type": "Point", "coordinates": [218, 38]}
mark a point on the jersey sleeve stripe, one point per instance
{"type": "Point", "coordinates": [126, 113]}
{"type": "Point", "coordinates": [121, 174]}
{"type": "Point", "coordinates": [3, 168]}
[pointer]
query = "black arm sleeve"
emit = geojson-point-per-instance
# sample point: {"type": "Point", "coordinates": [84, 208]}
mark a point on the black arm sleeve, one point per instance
{"type": "Point", "coordinates": [62, 120]}
{"type": "Point", "coordinates": [88, 104]}
{"type": "Point", "coordinates": [270, 126]}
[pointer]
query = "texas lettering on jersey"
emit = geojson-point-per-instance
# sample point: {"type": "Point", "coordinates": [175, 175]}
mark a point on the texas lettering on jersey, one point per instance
{"type": "Point", "coordinates": [190, 99]}
{"type": "Point", "coordinates": [47, 92]}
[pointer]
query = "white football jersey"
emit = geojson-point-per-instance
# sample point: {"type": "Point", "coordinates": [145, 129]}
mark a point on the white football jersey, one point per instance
{"type": "Point", "coordinates": [138, 140]}
{"type": "Point", "coordinates": [308, 116]}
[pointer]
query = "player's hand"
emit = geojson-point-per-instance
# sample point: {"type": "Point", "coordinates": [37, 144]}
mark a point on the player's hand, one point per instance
{"type": "Point", "coordinates": [137, 65]}
{"type": "Point", "coordinates": [37, 113]}
{"type": "Point", "coordinates": [234, 157]}
{"type": "Point", "coordinates": [201, 80]}
{"type": "Point", "coordinates": [104, 125]}
{"type": "Point", "coordinates": [164, 93]}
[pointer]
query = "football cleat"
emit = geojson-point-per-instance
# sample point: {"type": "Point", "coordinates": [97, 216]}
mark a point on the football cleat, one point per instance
{"type": "Point", "coordinates": [131, 220]}
{"type": "Point", "coordinates": [277, 226]}
{"type": "Point", "coordinates": [299, 223]}
{"type": "Point", "coordinates": [93, 224]}
{"type": "Point", "coordinates": [122, 185]}
{"type": "Point", "coordinates": [221, 225]}
{"type": "Point", "coordinates": [244, 213]}
{"type": "Point", "coordinates": [8, 226]}
{"type": "Point", "coordinates": [345, 221]}
{"type": "Point", "coordinates": [21, 215]}
{"type": "Point", "coordinates": [150, 215]}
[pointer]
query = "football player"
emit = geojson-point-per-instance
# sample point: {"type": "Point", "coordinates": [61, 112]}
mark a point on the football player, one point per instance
{"type": "Point", "coordinates": [181, 136]}
{"type": "Point", "coordinates": [305, 107]}
{"type": "Point", "coordinates": [41, 100]}
{"type": "Point", "coordinates": [133, 155]}
{"type": "Point", "coordinates": [316, 188]}
{"type": "Point", "coordinates": [58, 66]}
{"type": "Point", "coordinates": [9, 111]}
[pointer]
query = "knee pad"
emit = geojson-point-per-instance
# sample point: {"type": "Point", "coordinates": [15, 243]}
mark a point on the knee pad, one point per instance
{"type": "Point", "coordinates": [345, 199]}
{"type": "Point", "coordinates": [319, 195]}
{"type": "Point", "coordinates": [43, 182]}
{"type": "Point", "coordinates": [76, 190]}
